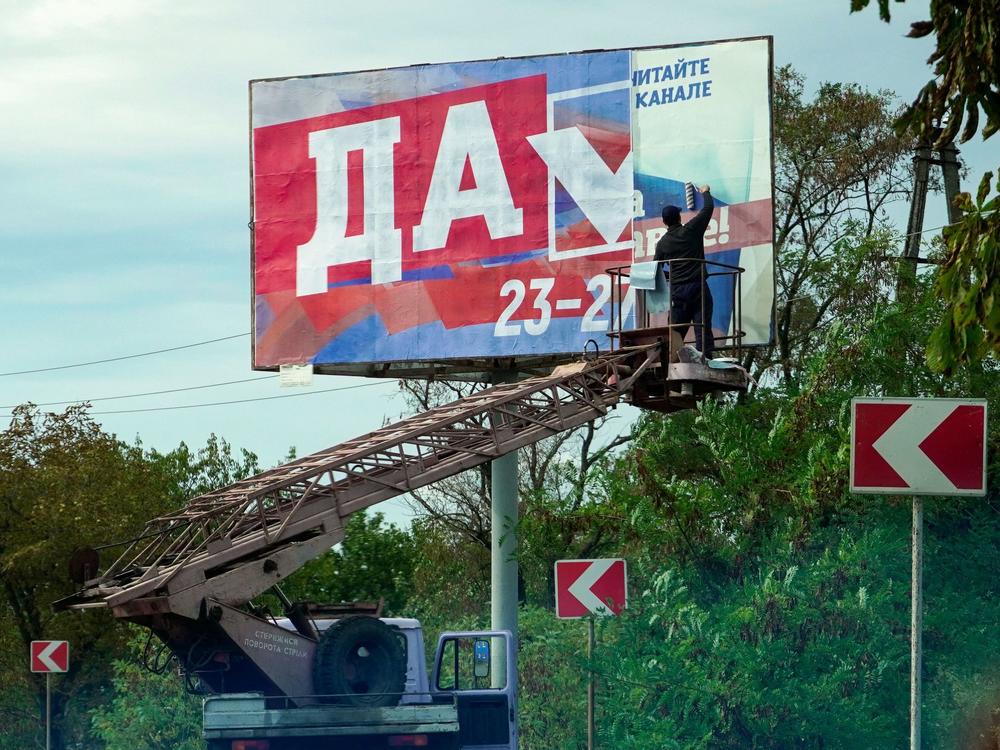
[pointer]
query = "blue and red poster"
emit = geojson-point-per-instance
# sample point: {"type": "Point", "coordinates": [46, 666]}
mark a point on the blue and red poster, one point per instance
{"type": "Point", "coordinates": [472, 210]}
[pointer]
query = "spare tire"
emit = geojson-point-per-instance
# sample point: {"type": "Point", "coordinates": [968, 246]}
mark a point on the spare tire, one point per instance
{"type": "Point", "coordinates": [360, 661]}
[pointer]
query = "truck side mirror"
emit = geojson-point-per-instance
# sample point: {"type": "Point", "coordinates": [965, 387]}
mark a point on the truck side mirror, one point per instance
{"type": "Point", "coordinates": [481, 658]}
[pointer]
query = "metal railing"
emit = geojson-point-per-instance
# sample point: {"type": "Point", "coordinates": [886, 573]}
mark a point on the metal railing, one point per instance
{"type": "Point", "coordinates": [732, 340]}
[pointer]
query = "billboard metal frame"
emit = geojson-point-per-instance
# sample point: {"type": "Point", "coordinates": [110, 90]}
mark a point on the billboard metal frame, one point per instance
{"type": "Point", "coordinates": [487, 369]}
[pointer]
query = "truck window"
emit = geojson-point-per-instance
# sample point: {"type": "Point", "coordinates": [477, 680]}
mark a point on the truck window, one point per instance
{"type": "Point", "coordinates": [468, 663]}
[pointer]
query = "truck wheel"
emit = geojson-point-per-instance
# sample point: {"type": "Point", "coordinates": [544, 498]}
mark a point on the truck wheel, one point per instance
{"type": "Point", "coordinates": [361, 661]}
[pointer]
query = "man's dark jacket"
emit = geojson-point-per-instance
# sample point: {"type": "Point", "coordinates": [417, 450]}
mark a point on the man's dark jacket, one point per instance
{"type": "Point", "coordinates": [686, 241]}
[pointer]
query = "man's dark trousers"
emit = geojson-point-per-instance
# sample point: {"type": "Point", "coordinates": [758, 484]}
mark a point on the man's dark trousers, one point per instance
{"type": "Point", "coordinates": [689, 302]}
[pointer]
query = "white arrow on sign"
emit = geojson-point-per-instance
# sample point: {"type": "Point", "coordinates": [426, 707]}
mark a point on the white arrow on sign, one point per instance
{"type": "Point", "coordinates": [44, 656]}
{"type": "Point", "coordinates": [900, 446]}
{"type": "Point", "coordinates": [580, 588]}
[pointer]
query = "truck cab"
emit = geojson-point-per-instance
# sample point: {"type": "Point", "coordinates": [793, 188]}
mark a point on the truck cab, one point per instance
{"type": "Point", "coordinates": [468, 701]}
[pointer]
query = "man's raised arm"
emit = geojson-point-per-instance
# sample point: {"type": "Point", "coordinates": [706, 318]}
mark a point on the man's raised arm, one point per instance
{"type": "Point", "coordinates": [700, 222]}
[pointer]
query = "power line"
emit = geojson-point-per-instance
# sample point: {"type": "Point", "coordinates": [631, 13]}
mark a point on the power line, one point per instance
{"type": "Point", "coordinates": [934, 229]}
{"type": "Point", "coordinates": [226, 403]}
{"type": "Point", "coordinates": [123, 357]}
{"type": "Point", "coordinates": [148, 393]}
{"type": "Point", "coordinates": [923, 231]}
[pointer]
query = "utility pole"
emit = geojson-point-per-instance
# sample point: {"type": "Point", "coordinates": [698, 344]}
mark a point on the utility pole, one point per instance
{"type": "Point", "coordinates": [924, 156]}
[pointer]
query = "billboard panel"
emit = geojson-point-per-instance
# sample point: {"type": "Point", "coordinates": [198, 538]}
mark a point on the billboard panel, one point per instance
{"type": "Point", "coordinates": [469, 211]}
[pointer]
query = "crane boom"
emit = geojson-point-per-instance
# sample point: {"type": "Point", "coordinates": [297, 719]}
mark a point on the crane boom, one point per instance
{"type": "Point", "coordinates": [191, 576]}
{"type": "Point", "coordinates": [234, 543]}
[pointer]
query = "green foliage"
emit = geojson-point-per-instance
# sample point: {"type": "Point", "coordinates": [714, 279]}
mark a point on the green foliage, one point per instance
{"type": "Point", "coordinates": [797, 651]}
{"type": "Point", "coordinates": [966, 64]}
{"type": "Point", "coordinates": [838, 165]}
{"type": "Point", "coordinates": [970, 280]}
{"type": "Point", "coordinates": [195, 473]}
{"type": "Point", "coordinates": [883, 7]}
{"type": "Point", "coordinates": [451, 578]}
{"type": "Point", "coordinates": [802, 642]}
{"type": "Point", "coordinates": [773, 610]}
{"type": "Point", "coordinates": [375, 560]}
{"type": "Point", "coordinates": [64, 484]}
{"type": "Point", "coordinates": [552, 672]}
{"type": "Point", "coordinates": [147, 711]}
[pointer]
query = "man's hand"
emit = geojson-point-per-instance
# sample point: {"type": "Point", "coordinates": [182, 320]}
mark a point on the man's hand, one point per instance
{"type": "Point", "coordinates": [704, 189]}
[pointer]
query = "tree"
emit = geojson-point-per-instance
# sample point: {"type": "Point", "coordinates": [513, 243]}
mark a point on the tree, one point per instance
{"type": "Point", "coordinates": [147, 711]}
{"type": "Point", "coordinates": [64, 484]}
{"type": "Point", "coordinates": [970, 280]}
{"type": "Point", "coordinates": [966, 66]}
{"type": "Point", "coordinates": [838, 166]}
{"type": "Point", "coordinates": [375, 561]}
{"type": "Point", "coordinates": [194, 473]}
{"type": "Point", "coordinates": [797, 652]}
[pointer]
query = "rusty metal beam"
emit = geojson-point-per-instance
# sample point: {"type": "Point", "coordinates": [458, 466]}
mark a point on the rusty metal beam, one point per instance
{"type": "Point", "coordinates": [223, 535]}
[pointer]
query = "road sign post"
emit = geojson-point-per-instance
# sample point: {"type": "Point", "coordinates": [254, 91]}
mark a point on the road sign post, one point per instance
{"type": "Point", "coordinates": [48, 657]}
{"type": "Point", "coordinates": [590, 589]}
{"type": "Point", "coordinates": [591, 684]}
{"type": "Point", "coordinates": [917, 447]}
{"type": "Point", "coordinates": [916, 620]}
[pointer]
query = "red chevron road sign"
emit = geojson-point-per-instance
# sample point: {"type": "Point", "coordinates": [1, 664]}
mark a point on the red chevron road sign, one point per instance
{"type": "Point", "coordinates": [50, 656]}
{"type": "Point", "coordinates": [918, 446]}
{"type": "Point", "coordinates": [590, 587]}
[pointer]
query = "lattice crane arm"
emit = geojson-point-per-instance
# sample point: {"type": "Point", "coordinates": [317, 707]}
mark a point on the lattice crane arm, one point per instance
{"type": "Point", "coordinates": [232, 544]}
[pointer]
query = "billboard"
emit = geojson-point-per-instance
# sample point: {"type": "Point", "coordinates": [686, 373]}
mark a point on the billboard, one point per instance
{"type": "Point", "coordinates": [468, 212]}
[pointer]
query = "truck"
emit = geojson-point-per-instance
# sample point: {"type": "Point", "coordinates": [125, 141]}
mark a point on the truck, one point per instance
{"type": "Point", "coordinates": [463, 705]}
{"type": "Point", "coordinates": [336, 677]}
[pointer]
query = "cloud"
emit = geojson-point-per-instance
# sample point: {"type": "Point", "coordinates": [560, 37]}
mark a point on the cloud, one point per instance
{"type": "Point", "coordinates": [53, 18]}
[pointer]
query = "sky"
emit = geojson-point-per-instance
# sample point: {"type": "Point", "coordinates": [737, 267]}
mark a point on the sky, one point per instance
{"type": "Point", "coordinates": [125, 194]}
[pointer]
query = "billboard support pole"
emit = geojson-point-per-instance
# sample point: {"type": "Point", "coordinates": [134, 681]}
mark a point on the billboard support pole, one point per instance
{"type": "Point", "coordinates": [503, 568]}
{"type": "Point", "coordinates": [916, 619]}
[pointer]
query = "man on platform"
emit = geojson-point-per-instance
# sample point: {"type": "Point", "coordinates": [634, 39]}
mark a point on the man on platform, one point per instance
{"type": "Point", "coordinates": [690, 298]}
